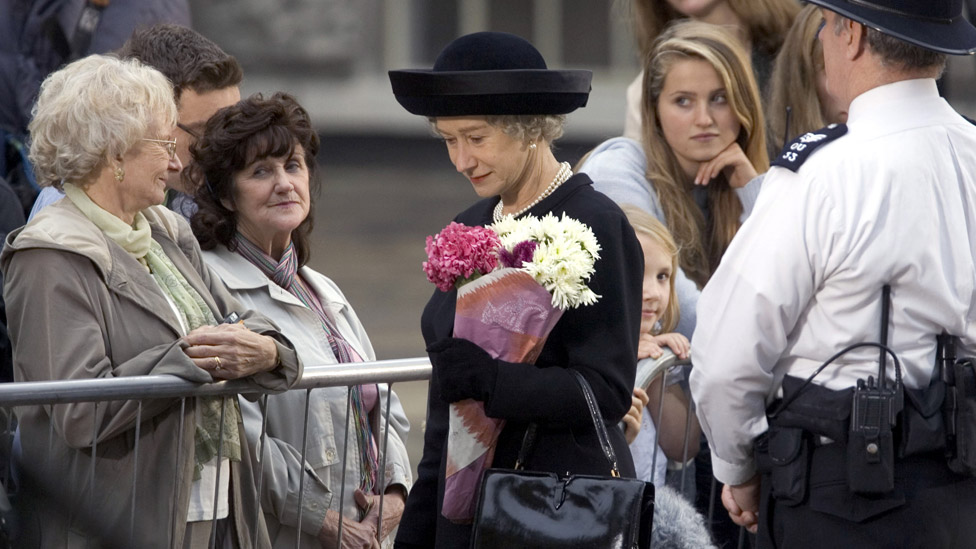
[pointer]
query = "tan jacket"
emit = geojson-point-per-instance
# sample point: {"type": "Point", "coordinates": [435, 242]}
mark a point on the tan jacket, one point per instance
{"type": "Point", "coordinates": [327, 435]}
{"type": "Point", "coordinates": [80, 307]}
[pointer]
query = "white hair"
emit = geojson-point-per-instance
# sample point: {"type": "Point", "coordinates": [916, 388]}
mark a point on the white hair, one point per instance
{"type": "Point", "coordinates": [94, 109]}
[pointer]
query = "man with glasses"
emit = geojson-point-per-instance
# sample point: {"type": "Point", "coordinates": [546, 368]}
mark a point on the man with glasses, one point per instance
{"type": "Point", "coordinates": [205, 79]}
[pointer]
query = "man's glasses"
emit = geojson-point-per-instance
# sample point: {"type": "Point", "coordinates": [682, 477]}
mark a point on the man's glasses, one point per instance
{"type": "Point", "coordinates": [189, 131]}
{"type": "Point", "coordinates": [169, 143]}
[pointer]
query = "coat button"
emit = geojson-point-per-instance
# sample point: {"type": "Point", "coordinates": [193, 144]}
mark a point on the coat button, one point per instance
{"type": "Point", "coordinates": [330, 454]}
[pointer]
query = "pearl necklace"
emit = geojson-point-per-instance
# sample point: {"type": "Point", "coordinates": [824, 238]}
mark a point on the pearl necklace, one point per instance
{"type": "Point", "coordinates": [564, 173]}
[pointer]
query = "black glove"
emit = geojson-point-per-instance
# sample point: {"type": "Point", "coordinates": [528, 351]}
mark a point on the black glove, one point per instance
{"type": "Point", "coordinates": [461, 370]}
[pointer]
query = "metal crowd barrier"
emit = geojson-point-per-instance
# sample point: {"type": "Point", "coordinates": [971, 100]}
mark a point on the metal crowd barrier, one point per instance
{"type": "Point", "coordinates": [342, 375]}
{"type": "Point", "coordinates": [167, 386]}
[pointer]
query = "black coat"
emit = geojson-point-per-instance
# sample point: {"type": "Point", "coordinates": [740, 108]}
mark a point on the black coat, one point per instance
{"type": "Point", "coordinates": [598, 340]}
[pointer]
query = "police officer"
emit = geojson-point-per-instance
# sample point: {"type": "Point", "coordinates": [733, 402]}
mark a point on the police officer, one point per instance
{"type": "Point", "coordinates": [888, 199]}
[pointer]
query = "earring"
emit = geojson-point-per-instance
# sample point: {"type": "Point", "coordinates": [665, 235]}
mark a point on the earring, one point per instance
{"type": "Point", "coordinates": [532, 146]}
{"type": "Point", "coordinates": [119, 174]}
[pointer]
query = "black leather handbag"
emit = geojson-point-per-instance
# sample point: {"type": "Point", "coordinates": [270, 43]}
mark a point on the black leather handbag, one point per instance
{"type": "Point", "coordinates": [520, 508]}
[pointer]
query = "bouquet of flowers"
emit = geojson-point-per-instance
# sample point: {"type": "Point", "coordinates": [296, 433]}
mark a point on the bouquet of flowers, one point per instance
{"type": "Point", "coordinates": [514, 279]}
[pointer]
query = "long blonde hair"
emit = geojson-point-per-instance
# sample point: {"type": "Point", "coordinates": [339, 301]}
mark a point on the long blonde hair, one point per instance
{"type": "Point", "coordinates": [794, 81]}
{"type": "Point", "coordinates": [700, 254]}
{"type": "Point", "coordinates": [646, 224]}
{"type": "Point", "coordinates": [766, 21]}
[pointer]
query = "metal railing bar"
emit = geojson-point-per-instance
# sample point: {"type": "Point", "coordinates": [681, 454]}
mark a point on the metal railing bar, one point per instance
{"type": "Point", "coordinates": [22, 393]}
{"type": "Point", "coordinates": [7, 451]}
{"type": "Point", "coordinates": [220, 444]}
{"type": "Point", "coordinates": [345, 459]}
{"type": "Point", "coordinates": [685, 442]}
{"type": "Point", "coordinates": [261, 461]}
{"type": "Point", "coordinates": [301, 479]}
{"type": "Point", "coordinates": [711, 506]}
{"type": "Point", "coordinates": [385, 428]}
{"type": "Point", "coordinates": [179, 452]}
{"type": "Point", "coordinates": [94, 459]}
{"type": "Point", "coordinates": [135, 476]}
{"type": "Point", "coordinates": [657, 428]}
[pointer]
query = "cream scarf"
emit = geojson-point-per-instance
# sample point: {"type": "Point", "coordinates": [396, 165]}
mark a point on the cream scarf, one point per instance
{"type": "Point", "coordinates": [137, 240]}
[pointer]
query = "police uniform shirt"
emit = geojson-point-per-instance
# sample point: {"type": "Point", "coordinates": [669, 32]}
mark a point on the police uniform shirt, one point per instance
{"type": "Point", "coordinates": [891, 201]}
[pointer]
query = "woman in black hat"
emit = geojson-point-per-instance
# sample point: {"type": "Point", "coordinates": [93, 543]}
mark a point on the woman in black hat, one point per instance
{"type": "Point", "coordinates": [498, 109]}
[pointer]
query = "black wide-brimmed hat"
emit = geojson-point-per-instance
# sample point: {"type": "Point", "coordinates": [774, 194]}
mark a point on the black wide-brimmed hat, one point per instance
{"type": "Point", "coordinates": [932, 24]}
{"type": "Point", "coordinates": [490, 73]}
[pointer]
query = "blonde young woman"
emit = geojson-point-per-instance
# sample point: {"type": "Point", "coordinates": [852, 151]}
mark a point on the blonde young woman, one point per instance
{"type": "Point", "coordinates": [760, 26]}
{"type": "Point", "coordinates": [800, 83]}
{"type": "Point", "coordinates": [704, 141]}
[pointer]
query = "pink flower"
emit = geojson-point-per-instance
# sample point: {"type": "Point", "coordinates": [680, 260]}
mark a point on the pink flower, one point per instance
{"type": "Point", "coordinates": [458, 253]}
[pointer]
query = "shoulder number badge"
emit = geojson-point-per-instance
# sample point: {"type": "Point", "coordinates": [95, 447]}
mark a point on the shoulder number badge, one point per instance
{"type": "Point", "coordinates": [795, 153]}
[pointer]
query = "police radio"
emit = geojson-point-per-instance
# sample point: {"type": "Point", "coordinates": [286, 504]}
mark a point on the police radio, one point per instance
{"type": "Point", "coordinates": [874, 411]}
{"type": "Point", "coordinates": [875, 406]}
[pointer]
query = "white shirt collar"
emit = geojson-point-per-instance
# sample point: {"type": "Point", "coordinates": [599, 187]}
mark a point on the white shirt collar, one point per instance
{"type": "Point", "coordinates": [876, 98]}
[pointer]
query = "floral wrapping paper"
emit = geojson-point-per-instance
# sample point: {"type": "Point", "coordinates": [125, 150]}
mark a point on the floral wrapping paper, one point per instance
{"type": "Point", "coordinates": [509, 315]}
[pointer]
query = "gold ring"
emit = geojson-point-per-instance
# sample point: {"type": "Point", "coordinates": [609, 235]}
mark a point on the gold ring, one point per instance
{"type": "Point", "coordinates": [217, 358]}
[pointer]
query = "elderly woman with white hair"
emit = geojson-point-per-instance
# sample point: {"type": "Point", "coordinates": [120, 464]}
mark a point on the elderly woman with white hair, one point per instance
{"type": "Point", "coordinates": [107, 283]}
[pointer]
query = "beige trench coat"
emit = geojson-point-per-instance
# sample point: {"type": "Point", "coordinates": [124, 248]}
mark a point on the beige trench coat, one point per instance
{"type": "Point", "coordinates": [80, 307]}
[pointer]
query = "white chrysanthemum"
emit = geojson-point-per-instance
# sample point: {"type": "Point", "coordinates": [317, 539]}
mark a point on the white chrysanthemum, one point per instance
{"type": "Point", "coordinates": [506, 225]}
{"type": "Point", "coordinates": [565, 255]}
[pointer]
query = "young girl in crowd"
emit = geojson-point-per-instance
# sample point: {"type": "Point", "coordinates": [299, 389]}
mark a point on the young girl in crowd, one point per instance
{"type": "Point", "coordinates": [800, 83]}
{"type": "Point", "coordinates": [759, 25]}
{"type": "Point", "coordinates": [704, 141]}
{"type": "Point", "coordinates": [659, 317]}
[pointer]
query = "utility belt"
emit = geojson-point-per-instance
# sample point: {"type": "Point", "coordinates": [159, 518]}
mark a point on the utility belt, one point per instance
{"type": "Point", "coordinates": [937, 420]}
{"type": "Point", "coordinates": [872, 426]}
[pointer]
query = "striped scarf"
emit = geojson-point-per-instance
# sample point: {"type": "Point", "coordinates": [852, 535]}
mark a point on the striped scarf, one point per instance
{"type": "Point", "coordinates": [284, 273]}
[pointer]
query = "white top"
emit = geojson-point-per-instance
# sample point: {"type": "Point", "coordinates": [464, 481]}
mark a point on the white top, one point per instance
{"type": "Point", "coordinates": [618, 168]}
{"type": "Point", "coordinates": [202, 490]}
{"type": "Point", "coordinates": [893, 201]}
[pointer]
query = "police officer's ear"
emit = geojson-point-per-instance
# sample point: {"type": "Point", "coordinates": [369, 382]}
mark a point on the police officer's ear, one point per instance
{"type": "Point", "coordinates": [855, 38]}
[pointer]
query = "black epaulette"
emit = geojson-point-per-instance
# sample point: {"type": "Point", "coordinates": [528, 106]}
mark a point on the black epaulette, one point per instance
{"type": "Point", "coordinates": [796, 152]}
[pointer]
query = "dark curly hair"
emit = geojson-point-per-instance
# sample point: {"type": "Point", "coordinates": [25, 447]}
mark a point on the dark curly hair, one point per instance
{"type": "Point", "coordinates": [234, 137]}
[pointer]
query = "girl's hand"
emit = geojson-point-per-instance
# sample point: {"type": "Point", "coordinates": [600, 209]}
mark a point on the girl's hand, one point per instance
{"type": "Point", "coordinates": [732, 162]}
{"type": "Point", "coordinates": [647, 347]}
{"type": "Point", "coordinates": [678, 343]}
{"type": "Point", "coordinates": [632, 421]}
{"type": "Point", "coordinates": [650, 346]}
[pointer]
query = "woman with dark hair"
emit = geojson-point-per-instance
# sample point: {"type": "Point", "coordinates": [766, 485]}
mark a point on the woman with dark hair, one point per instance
{"type": "Point", "coordinates": [255, 165]}
{"type": "Point", "coordinates": [498, 109]}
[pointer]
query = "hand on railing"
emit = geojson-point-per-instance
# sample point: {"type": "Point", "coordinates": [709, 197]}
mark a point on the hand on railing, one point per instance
{"type": "Point", "coordinates": [393, 504]}
{"type": "Point", "coordinates": [652, 346]}
{"type": "Point", "coordinates": [355, 535]}
{"type": "Point", "coordinates": [632, 421]}
{"type": "Point", "coordinates": [231, 351]}
{"type": "Point", "coordinates": [362, 534]}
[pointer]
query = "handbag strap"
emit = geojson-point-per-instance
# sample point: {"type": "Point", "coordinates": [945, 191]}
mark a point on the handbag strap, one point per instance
{"type": "Point", "coordinates": [528, 441]}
